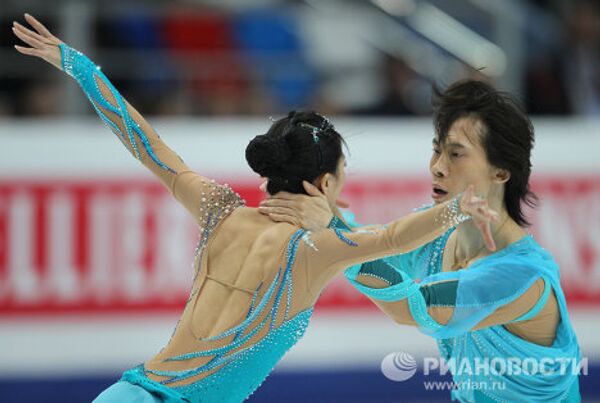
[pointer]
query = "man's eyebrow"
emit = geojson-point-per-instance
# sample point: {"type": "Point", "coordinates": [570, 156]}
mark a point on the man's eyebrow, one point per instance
{"type": "Point", "coordinates": [452, 144]}
{"type": "Point", "coordinates": [455, 145]}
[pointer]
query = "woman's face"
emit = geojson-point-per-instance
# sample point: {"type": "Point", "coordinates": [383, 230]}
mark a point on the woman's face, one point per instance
{"type": "Point", "coordinates": [335, 183]}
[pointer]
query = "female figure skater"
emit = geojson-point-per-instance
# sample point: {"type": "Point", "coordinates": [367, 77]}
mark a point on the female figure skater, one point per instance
{"type": "Point", "coordinates": [256, 281]}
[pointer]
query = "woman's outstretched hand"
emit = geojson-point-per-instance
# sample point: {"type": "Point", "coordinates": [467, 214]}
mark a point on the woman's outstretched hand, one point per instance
{"type": "Point", "coordinates": [481, 213]}
{"type": "Point", "coordinates": [43, 44]}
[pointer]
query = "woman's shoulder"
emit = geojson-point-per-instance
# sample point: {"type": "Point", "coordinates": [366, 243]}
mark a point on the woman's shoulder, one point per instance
{"type": "Point", "coordinates": [250, 220]}
{"type": "Point", "coordinates": [250, 215]}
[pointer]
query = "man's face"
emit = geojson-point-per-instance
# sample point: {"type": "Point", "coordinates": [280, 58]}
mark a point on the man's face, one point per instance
{"type": "Point", "coordinates": [460, 161]}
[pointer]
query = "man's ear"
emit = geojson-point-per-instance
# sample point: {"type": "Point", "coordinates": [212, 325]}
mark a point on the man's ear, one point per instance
{"type": "Point", "coordinates": [501, 176]}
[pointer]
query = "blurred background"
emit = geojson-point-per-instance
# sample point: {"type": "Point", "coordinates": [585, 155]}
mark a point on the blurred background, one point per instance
{"type": "Point", "coordinates": [359, 57]}
{"type": "Point", "coordinates": [94, 255]}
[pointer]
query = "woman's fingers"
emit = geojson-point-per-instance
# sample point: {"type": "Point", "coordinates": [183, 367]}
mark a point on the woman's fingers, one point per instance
{"type": "Point", "coordinates": [30, 37]}
{"type": "Point", "coordinates": [38, 26]}
{"type": "Point", "coordinates": [30, 33]}
{"type": "Point", "coordinates": [469, 193]}
{"type": "Point", "coordinates": [27, 38]}
{"type": "Point", "coordinates": [491, 215]}
{"type": "Point", "coordinates": [28, 51]}
{"type": "Point", "coordinates": [41, 46]}
{"type": "Point", "coordinates": [485, 210]}
{"type": "Point", "coordinates": [487, 214]}
{"type": "Point", "coordinates": [483, 219]}
{"type": "Point", "coordinates": [342, 203]}
{"type": "Point", "coordinates": [488, 237]}
{"type": "Point", "coordinates": [485, 227]}
{"type": "Point", "coordinates": [478, 208]}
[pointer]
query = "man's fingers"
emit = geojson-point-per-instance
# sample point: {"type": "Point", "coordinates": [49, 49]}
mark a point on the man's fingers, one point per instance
{"type": "Point", "coordinates": [39, 27]}
{"type": "Point", "coordinates": [284, 197]}
{"type": "Point", "coordinates": [311, 189]}
{"type": "Point", "coordinates": [292, 204]}
{"type": "Point", "coordinates": [287, 196]}
{"type": "Point", "coordinates": [284, 218]}
{"type": "Point", "coordinates": [279, 210]}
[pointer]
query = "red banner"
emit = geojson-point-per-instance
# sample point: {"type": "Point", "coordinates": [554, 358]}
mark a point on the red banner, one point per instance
{"type": "Point", "coordinates": [108, 246]}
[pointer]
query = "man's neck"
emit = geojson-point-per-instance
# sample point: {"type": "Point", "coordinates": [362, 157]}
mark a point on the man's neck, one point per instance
{"type": "Point", "coordinates": [470, 241]}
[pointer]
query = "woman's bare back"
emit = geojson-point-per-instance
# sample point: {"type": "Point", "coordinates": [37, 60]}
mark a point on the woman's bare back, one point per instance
{"type": "Point", "coordinates": [243, 257]}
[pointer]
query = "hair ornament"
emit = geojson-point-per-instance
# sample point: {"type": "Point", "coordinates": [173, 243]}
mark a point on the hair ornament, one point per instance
{"type": "Point", "coordinates": [318, 131]}
{"type": "Point", "coordinates": [326, 124]}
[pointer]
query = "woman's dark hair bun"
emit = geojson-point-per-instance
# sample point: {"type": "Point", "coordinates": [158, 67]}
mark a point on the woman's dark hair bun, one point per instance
{"type": "Point", "coordinates": [267, 155]}
{"type": "Point", "coordinates": [299, 147]}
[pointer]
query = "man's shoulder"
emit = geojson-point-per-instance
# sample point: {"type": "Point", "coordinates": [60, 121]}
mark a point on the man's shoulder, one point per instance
{"type": "Point", "coordinates": [526, 252]}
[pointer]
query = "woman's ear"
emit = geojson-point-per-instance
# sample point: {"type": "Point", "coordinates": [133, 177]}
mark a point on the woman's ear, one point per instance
{"type": "Point", "coordinates": [502, 176]}
{"type": "Point", "coordinates": [323, 182]}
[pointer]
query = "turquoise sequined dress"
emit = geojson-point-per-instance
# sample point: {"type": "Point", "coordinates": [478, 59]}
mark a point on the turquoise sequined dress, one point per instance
{"type": "Point", "coordinates": [242, 367]}
{"type": "Point", "coordinates": [237, 368]}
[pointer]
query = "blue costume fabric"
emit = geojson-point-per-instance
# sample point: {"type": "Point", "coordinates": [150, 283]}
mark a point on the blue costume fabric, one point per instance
{"type": "Point", "coordinates": [474, 294]}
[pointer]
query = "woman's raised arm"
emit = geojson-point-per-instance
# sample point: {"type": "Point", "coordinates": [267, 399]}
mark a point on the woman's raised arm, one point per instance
{"type": "Point", "coordinates": [206, 200]}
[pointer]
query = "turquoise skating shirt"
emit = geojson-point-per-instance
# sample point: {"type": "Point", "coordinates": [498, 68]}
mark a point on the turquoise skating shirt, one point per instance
{"type": "Point", "coordinates": [474, 294]}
